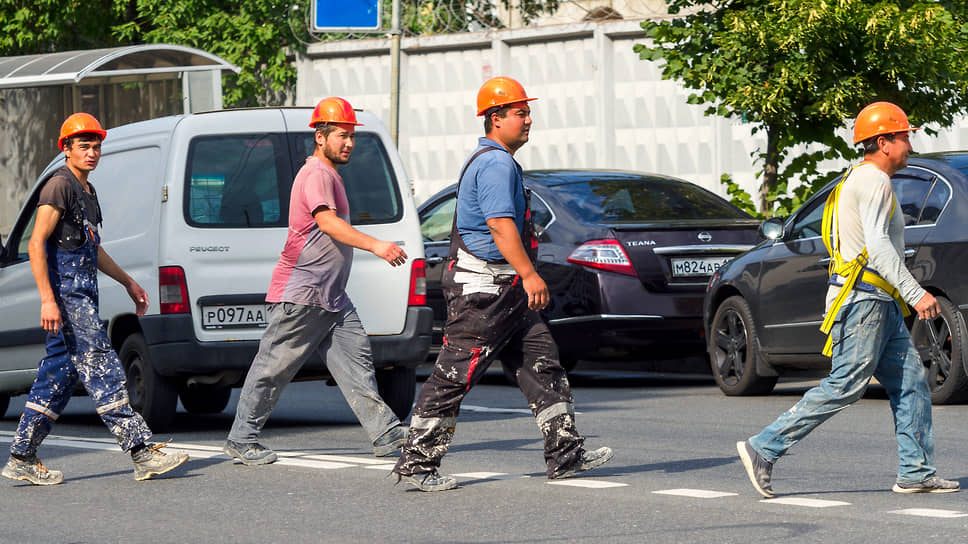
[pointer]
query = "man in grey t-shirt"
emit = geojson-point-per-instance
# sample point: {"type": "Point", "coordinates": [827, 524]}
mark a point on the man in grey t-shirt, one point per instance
{"type": "Point", "coordinates": [866, 302]}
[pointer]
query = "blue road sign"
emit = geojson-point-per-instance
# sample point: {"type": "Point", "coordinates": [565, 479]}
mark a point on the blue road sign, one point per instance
{"type": "Point", "coordinates": [346, 15]}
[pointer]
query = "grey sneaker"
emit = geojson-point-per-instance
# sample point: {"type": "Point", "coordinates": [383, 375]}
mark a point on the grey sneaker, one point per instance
{"type": "Point", "coordinates": [758, 469]}
{"type": "Point", "coordinates": [391, 441]}
{"type": "Point", "coordinates": [32, 471]}
{"type": "Point", "coordinates": [588, 461]}
{"type": "Point", "coordinates": [931, 485]}
{"type": "Point", "coordinates": [249, 454]}
{"type": "Point", "coordinates": [151, 461]}
{"type": "Point", "coordinates": [428, 481]}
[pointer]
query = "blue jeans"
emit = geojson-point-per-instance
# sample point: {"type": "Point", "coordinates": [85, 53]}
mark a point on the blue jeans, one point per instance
{"type": "Point", "coordinates": [869, 339]}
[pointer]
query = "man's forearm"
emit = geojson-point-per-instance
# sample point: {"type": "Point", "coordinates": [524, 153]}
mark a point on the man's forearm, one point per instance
{"type": "Point", "coordinates": [342, 232]}
{"type": "Point", "coordinates": [38, 266]}
{"type": "Point", "coordinates": [107, 265]}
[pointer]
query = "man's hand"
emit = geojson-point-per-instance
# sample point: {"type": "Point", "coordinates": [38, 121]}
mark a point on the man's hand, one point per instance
{"type": "Point", "coordinates": [139, 296]}
{"type": "Point", "coordinates": [927, 307]}
{"type": "Point", "coordinates": [389, 252]}
{"type": "Point", "coordinates": [537, 291]}
{"type": "Point", "coordinates": [50, 317]}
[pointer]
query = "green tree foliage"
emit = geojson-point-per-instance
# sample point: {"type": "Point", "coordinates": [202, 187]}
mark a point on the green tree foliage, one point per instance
{"type": "Point", "coordinates": [801, 69]}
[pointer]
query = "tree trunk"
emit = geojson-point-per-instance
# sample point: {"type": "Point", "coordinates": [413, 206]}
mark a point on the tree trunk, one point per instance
{"type": "Point", "coordinates": [770, 165]}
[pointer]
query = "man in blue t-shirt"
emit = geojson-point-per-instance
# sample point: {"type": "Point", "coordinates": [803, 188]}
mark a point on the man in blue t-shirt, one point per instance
{"type": "Point", "coordinates": [493, 297]}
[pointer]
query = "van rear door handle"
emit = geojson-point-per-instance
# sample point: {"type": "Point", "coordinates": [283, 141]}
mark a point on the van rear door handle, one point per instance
{"type": "Point", "coordinates": [909, 252]}
{"type": "Point", "coordinates": [825, 261]}
{"type": "Point", "coordinates": [434, 260]}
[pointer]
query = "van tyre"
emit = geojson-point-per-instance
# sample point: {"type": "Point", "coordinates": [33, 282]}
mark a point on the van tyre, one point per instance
{"type": "Point", "coordinates": [733, 350]}
{"type": "Point", "coordinates": [943, 354]}
{"type": "Point", "coordinates": [204, 398]}
{"type": "Point", "coordinates": [398, 387]}
{"type": "Point", "coordinates": [152, 395]}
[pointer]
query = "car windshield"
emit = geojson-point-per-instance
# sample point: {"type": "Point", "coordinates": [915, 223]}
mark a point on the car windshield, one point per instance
{"type": "Point", "coordinates": [642, 199]}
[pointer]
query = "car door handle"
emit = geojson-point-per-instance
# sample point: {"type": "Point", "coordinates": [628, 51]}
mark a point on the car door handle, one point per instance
{"type": "Point", "coordinates": [909, 252]}
{"type": "Point", "coordinates": [434, 260]}
{"type": "Point", "coordinates": [825, 261]}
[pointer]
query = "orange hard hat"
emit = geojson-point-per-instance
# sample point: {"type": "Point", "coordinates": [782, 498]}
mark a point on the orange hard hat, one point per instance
{"type": "Point", "coordinates": [334, 110]}
{"type": "Point", "coordinates": [500, 91]}
{"type": "Point", "coordinates": [880, 118]}
{"type": "Point", "coordinates": [79, 123]}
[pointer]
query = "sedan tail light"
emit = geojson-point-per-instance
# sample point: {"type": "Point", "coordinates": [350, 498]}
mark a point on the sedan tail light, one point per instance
{"type": "Point", "coordinates": [172, 290]}
{"type": "Point", "coordinates": [603, 255]}
{"type": "Point", "coordinates": [418, 284]}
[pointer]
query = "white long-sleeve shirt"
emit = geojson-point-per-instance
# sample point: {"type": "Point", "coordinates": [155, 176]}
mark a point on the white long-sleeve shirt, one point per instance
{"type": "Point", "coordinates": [864, 219]}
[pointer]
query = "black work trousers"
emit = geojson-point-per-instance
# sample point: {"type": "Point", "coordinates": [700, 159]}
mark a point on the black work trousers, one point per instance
{"type": "Point", "coordinates": [488, 318]}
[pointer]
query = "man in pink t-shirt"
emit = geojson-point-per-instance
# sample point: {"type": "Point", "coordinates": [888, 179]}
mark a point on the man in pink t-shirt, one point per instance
{"type": "Point", "coordinates": [310, 311]}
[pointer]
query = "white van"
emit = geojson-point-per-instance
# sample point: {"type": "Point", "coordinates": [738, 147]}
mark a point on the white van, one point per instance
{"type": "Point", "coordinates": [195, 208]}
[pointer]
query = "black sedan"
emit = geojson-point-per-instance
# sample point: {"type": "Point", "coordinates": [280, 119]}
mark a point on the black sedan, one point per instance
{"type": "Point", "coordinates": [626, 257]}
{"type": "Point", "coordinates": [764, 309]}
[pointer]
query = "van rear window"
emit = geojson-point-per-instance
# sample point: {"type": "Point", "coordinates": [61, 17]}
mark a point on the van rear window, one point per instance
{"type": "Point", "coordinates": [238, 180]}
{"type": "Point", "coordinates": [243, 180]}
{"type": "Point", "coordinates": [371, 186]}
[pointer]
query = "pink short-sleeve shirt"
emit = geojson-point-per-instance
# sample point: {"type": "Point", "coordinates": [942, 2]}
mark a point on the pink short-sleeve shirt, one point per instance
{"type": "Point", "coordinates": [313, 268]}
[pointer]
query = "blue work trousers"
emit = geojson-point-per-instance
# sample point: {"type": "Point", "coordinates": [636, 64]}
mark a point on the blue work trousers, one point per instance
{"type": "Point", "coordinates": [869, 340]}
{"type": "Point", "coordinates": [81, 350]}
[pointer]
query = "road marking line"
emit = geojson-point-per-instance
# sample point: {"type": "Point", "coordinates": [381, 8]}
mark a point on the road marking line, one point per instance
{"type": "Point", "coordinates": [811, 503]}
{"type": "Point", "coordinates": [381, 467]}
{"type": "Point", "coordinates": [592, 484]}
{"type": "Point", "coordinates": [490, 475]}
{"type": "Point", "coordinates": [929, 513]}
{"type": "Point", "coordinates": [695, 493]}
{"type": "Point", "coordinates": [473, 408]}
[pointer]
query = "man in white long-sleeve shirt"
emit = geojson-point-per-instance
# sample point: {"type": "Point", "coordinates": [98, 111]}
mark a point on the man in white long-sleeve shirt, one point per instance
{"type": "Point", "coordinates": [869, 288]}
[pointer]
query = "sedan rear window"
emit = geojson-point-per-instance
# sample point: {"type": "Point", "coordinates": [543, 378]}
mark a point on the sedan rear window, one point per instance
{"type": "Point", "coordinates": [642, 199]}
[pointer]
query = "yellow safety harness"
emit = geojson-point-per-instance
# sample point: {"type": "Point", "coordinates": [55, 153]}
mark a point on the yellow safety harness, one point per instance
{"type": "Point", "coordinates": [855, 272]}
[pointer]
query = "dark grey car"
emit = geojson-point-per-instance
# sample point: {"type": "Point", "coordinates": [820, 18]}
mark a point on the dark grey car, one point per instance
{"type": "Point", "coordinates": [763, 310]}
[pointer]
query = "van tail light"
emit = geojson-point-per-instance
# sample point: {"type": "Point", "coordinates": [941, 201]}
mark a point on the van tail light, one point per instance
{"type": "Point", "coordinates": [603, 255]}
{"type": "Point", "coordinates": [172, 290]}
{"type": "Point", "coordinates": [418, 283]}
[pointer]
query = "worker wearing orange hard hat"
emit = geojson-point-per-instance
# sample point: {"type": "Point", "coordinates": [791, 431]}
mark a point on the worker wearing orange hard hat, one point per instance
{"type": "Point", "coordinates": [310, 311]}
{"type": "Point", "coordinates": [870, 290]}
{"type": "Point", "coordinates": [65, 256]}
{"type": "Point", "coordinates": [493, 296]}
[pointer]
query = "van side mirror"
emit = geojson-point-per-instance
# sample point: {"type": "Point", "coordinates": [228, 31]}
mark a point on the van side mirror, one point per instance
{"type": "Point", "coordinates": [772, 228]}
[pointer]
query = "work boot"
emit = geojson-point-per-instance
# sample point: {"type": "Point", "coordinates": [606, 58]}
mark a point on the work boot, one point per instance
{"type": "Point", "coordinates": [249, 453]}
{"type": "Point", "coordinates": [758, 469]}
{"type": "Point", "coordinates": [151, 461]}
{"type": "Point", "coordinates": [428, 481]}
{"type": "Point", "coordinates": [931, 485]}
{"type": "Point", "coordinates": [587, 461]}
{"type": "Point", "coordinates": [31, 470]}
{"type": "Point", "coordinates": [391, 441]}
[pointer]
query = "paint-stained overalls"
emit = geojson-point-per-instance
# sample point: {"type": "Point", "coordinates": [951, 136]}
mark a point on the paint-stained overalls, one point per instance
{"type": "Point", "coordinates": [487, 318]}
{"type": "Point", "coordinates": [81, 349]}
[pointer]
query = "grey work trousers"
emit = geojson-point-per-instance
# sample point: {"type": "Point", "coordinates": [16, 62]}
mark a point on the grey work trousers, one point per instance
{"type": "Point", "coordinates": [294, 333]}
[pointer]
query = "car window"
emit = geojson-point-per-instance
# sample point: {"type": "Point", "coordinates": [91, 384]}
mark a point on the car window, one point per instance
{"type": "Point", "coordinates": [237, 180]}
{"type": "Point", "coordinates": [911, 192]}
{"type": "Point", "coordinates": [369, 178]}
{"type": "Point", "coordinates": [436, 222]}
{"type": "Point", "coordinates": [936, 201]}
{"type": "Point", "coordinates": [540, 212]}
{"type": "Point", "coordinates": [809, 221]}
{"type": "Point", "coordinates": [628, 199]}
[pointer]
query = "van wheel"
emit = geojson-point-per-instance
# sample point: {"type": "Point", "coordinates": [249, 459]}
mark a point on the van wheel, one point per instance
{"type": "Point", "coordinates": [4, 403]}
{"type": "Point", "coordinates": [733, 352]}
{"type": "Point", "coordinates": [943, 353]}
{"type": "Point", "coordinates": [204, 398]}
{"type": "Point", "coordinates": [152, 395]}
{"type": "Point", "coordinates": [398, 387]}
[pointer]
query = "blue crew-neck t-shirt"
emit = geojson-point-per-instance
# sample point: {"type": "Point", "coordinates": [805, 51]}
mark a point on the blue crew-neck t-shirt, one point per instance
{"type": "Point", "coordinates": [491, 187]}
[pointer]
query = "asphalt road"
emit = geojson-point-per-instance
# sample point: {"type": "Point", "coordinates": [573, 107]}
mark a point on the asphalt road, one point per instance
{"type": "Point", "coordinates": [675, 476]}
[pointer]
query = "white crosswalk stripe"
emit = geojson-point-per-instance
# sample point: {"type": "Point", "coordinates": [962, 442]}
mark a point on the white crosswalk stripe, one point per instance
{"type": "Point", "coordinates": [591, 484]}
{"type": "Point", "coordinates": [695, 493]}
{"type": "Point", "coordinates": [929, 513]}
{"type": "Point", "coordinates": [801, 501]}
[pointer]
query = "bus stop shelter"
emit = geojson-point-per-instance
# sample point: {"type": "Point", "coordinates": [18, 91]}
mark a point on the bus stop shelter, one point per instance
{"type": "Point", "coordinates": [118, 85]}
